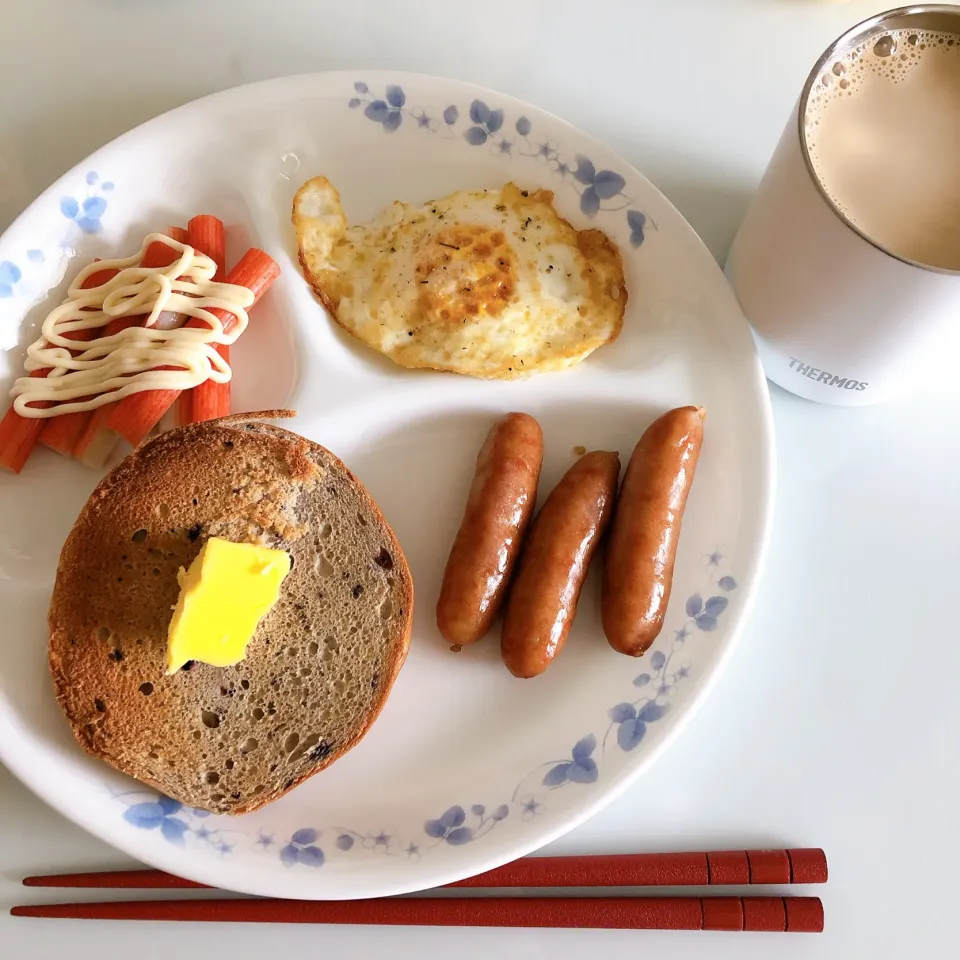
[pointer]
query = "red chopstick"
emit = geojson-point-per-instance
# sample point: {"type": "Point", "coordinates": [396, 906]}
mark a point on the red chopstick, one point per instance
{"type": "Point", "coordinates": [716, 868]}
{"type": "Point", "coordinates": [775, 914]}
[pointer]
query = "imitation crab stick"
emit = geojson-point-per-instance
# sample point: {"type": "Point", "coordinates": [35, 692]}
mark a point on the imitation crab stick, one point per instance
{"type": "Point", "coordinates": [209, 399]}
{"type": "Point", "coordinates": [19, 435]}
{"type": "Point", "coordinates": [64, 433]}
{"type": "Point", "coordinates": [206, 235]}
{"type": "Point", "coordinates": [135, 416]}
{"type": "Point", "coordinates": [95, 442]}
{"type": "Point", "coordinates": [92, 445]}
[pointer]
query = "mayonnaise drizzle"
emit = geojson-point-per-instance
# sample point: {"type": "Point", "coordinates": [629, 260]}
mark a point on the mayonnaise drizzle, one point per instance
{"type": "Point", "coordinates": [107, 369]}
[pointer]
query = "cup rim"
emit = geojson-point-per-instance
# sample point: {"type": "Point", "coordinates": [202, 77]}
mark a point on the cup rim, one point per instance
{"type": "Point", "coordinates": [851, 38]}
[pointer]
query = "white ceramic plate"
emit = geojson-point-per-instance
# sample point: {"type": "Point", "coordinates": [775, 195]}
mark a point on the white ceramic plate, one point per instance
{"type": "Point", "coordinates": [467, 767]}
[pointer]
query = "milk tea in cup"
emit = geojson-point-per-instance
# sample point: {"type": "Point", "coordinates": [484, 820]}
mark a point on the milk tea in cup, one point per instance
{"type": "Point", "coordinates": [847, 264]}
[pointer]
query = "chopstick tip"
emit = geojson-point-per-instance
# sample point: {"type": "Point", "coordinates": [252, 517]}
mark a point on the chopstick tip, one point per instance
{"type": "Point", "coordinates": [24, 911]}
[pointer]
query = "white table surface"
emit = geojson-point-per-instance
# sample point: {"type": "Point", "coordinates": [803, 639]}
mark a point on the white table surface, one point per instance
{"type": "Point", "coordinates": [836, 723]}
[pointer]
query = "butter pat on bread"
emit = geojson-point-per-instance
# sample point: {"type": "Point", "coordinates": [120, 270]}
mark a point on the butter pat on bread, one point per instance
{"type": "Point", "coordinates": [228, 589]}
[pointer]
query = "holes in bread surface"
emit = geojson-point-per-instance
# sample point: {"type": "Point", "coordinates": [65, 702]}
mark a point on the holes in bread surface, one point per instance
{"type": "Point", "coordinates": [163, 510]}
{"type": "Point", "coordinates": [139, 536]}
{"type": "Point", "coordinates": [103, 634]}
{"type": "Point", "coordinates": [314, 745]}
{"type": "Point", "coordinates": [146, 688]}
{"type": "Point", "coordinates": [211, 777]}
{"type": "Point", "coordinates": [231, 751]}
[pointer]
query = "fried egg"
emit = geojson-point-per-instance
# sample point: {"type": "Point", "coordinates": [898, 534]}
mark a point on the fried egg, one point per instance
{"type": "Point", "coordinates": [485, 283]}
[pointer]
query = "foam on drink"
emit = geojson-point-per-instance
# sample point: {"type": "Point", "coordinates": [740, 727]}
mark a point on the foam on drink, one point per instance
{"type": "Point", "coordinates": [882, 128]}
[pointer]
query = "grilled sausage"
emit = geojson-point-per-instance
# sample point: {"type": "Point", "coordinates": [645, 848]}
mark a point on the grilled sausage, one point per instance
{"type": "Point", "coordinates": [499, 508]}
{"type": "Point", "coordinates": [553, 565]}
{"type": "Point", "coordinates": [643, 542]}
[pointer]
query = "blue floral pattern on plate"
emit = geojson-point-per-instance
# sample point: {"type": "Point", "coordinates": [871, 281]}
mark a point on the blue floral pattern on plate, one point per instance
{"type": "Point", "coordinates": [302, 848]}
{"type": "Point", "coordinates": [175, 821]}
{"type": "Point", "coordinates": [85, 212]}
{"type": "Point", "coordinates": [601, 191]}
{"type": "Point", "coordinates": [629, 721]}
{"type": "Point", "coordinates": [10, 275]}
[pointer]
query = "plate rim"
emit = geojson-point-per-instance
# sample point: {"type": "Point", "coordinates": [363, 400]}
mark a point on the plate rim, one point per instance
{"type": "Point", "coordinates": [207, 871]}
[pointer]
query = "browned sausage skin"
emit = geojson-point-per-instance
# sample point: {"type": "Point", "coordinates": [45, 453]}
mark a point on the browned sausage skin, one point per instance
{"type": "Point", "coordinates": [642, 549]}
{"type": "Point", "coordinates": [553, 565]}
{"type": "Point", "coordinates": [499, 508]}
